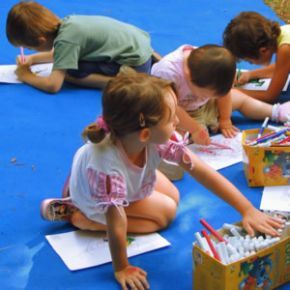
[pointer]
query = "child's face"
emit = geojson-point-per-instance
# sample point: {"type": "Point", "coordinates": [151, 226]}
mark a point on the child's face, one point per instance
{"type": "Point", "coordinates": [164, 130]}
{"type": "Point", "coordinates": [265, 57]}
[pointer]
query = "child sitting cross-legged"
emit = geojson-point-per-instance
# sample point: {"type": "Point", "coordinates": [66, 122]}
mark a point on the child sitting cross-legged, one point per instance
{"type": "Point", "coordinates": [114, 185]}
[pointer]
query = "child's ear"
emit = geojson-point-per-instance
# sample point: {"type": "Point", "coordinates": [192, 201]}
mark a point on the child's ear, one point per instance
{"type": "Point", "coordinates": [144, 135]}
{"type": "Point", "coordinates": [263, 50]}
{"type": "Point", "coordinates": [42, 40]}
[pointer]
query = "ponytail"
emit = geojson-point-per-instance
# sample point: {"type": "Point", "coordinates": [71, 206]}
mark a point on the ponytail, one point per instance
{"type": "Point", "coordinates": [93, 133]}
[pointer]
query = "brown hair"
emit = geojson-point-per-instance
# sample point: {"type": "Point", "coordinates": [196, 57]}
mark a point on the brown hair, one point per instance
{"type": "Point", "coordinates": [248, 32]}
{"type": "Point", "coordinates": [28, 21]}
{"type": "Point", "coordinates": [212, 66]}
{"type": "Point", "coordinates": [131, 101]}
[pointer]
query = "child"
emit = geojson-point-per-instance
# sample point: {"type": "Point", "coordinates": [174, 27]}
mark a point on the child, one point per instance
{"type": "Point", "coordinates": [254, 38]}
{"type": "Point", "coordinates": [85, 50]}
{"type": "Point", "coordinates": [204, 77]}
{"type": "Point", "coordinates": [114, 185]}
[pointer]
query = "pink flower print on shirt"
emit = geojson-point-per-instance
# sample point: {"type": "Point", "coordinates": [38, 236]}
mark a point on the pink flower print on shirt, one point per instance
{"type": "Point", "coordinates": [107, 190]}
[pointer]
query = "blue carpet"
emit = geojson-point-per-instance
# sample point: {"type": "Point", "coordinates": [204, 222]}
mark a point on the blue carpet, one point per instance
{"type": "Point", "coordinates": [40, 133]}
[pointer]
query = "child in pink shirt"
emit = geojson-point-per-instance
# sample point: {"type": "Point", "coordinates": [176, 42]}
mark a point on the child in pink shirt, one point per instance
{"type": "Point", "coordinates": [204, 77]}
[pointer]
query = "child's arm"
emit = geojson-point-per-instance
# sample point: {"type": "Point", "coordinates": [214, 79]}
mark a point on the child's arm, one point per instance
{"type": "Point", "coordinates": [198, 133]}
{"type": "Point", "coordinates": [253, 219]}
{"type": "Point", "coordinates": [224, 105]}
{"type": "Point", "coordinates": [41, 57]}
{"type": "Point", "coordinates": [50, 84]}
{"type": "Point", "coordinates": [128, 276]}
{"type": "Point", "coordinates": [278, 72]}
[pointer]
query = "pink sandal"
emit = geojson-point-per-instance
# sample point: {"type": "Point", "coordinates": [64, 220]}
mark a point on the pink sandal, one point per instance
{"type": "Point", "coordinates": [57, 209]}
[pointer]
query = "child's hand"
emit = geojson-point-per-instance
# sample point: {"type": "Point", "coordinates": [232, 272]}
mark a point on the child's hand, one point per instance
{"type": "Point", "coordinates": [228, 129]}
{"type": "Point", "coordinates": [201, 137]}
{"type": "Point", "coordinates": [27, 60]}
{"type": "Point", "coordinates": [254, 219]}
{"type": "Point", "coordinates": [243, 78]}
{"type": "Point", "coordinates": [22, 71]}
{"type": "Point", "coordinates": [132, 278]}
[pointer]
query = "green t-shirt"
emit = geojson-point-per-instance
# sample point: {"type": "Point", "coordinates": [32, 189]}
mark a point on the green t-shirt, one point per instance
{"type": "Point", "coordinates": [284, 37]}
{"type": "Point", "coordinates": [99, 38]}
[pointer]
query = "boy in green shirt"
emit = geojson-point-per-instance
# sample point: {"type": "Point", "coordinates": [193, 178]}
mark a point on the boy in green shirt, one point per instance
{"type": "Point", "coordinates": [85, 50]}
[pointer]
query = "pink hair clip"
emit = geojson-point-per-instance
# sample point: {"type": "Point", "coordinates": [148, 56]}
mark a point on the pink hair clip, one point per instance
{"type": "Point", "coordinates": [102, 124]}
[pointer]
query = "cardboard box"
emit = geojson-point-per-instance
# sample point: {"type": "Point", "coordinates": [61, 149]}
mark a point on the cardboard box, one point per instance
{"type": "Point", "coordinates": [265, 166]}
{"type": "Point", "coordinates": [265, 270]}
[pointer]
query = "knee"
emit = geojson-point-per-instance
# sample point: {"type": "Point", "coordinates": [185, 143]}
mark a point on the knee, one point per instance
{"type": "Point", "coordinates": [175, 195]}
{"type": "Point", "coordinates": [168, 214]}
{"type": "Point", "coordinates": [78, 220]}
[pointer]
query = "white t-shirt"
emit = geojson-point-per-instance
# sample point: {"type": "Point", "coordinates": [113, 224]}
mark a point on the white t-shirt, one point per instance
{"type": "Point", "coordinates": [102, 175]}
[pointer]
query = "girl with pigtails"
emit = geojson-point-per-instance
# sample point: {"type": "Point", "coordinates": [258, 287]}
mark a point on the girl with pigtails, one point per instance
{"type": "Point", "coordinates": [114, 184]}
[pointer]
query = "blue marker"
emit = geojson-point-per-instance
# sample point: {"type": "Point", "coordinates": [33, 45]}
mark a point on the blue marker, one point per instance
{"type": "Point", "coordinates": [269, 136]}
{"type": "Point", "coordinates": [264, 125]}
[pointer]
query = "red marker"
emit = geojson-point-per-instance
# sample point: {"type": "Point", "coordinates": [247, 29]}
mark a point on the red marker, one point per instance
{"type": "Point", "coordinates": [207, 237]}
{"type": "Point", "coordinates": [212, 230]}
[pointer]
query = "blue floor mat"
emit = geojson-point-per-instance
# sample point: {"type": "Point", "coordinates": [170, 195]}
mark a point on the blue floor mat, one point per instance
{"type": "Point", "coordinates": [40, 133]}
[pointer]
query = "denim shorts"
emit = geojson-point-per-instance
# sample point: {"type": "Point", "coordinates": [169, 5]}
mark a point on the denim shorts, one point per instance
{"type": "Point", "coordinates": [105, 68]}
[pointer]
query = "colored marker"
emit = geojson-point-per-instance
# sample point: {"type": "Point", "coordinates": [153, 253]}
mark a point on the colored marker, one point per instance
{"type": "Point", "coordinates": [221, 146]}
{"type": "Point", "coordinates": [22, 57]}
{"type": "Point", "coordinates": [202, 244]}
{"type": "Point", "coordinates": [212, 230]}
{"type": "Point", "coordinates": [238, 74]}
{"type": "Point", "coordinates": [285, 140]}
{"type": "Point", "coordinates": [264, 125]}
{"type": "Point", "coordinates": [214, 251]}
{"type": "Point", "coordinates": [269, 136]}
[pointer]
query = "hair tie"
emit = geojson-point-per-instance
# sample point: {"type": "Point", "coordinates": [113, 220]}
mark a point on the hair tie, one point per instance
{"type": "Point", "coordinates": [102, 124]}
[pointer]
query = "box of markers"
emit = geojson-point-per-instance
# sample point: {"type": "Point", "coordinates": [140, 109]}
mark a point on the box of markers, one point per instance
{"type": "Point", "coordinates": [266, 163]}
{"type": "Point", "coordinates": [265, 269]}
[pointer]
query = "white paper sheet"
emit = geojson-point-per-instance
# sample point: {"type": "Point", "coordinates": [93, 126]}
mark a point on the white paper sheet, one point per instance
{"type": "Point", "coordinates": [276, 198]}
{"type": "Point", "coordinates": [82, 249]}
{"type": "Point", "coordinates": [262, 84]}
{"type": "Point", "coordinates": [7, 72]}
{"type": "Point", "coordinates": [219, 158]}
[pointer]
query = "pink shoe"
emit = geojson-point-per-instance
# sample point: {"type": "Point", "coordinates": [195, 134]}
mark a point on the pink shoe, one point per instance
{"type": "Point", "coordinates": [57, 209]}
{"type": "Point", "coordinates": [284, 112]}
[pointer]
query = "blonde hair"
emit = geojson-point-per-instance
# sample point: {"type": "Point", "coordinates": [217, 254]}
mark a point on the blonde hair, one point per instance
{"type": "Point", "coordinates": [28, 21]}
{"type": "Point", "coordinates": [131, 101]}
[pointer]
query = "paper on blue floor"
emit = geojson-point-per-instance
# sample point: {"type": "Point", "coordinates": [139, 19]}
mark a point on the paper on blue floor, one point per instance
{"type": "Point", "coordinates": [7, 72]}
{"type": "Point", "coordinates": [220, 158]}
{"type": "Point", "coordinates": [84, 249]}
{"type": "Point", "coordinates": [276, 198]}
{"type": "Point", "coordinates": [262, 84]}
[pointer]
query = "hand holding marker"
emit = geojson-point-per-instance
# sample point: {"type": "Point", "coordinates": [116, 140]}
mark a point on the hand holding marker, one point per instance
{"type": "Point", "coordinates": [22, 57]}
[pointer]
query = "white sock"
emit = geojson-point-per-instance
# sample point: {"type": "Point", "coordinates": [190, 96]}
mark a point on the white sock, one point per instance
{"type": "Point", "coordinates": [275, 112]}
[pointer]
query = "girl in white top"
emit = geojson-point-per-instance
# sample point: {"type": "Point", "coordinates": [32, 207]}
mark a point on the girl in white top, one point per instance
{"type": "Point", "coordinates": [114, 185]}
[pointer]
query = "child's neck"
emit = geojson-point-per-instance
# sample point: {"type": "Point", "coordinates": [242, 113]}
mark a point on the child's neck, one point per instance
{"type": "Point", "coordinates": [186, 73]}
{"type": "Point", "coordinates": [134, 149]}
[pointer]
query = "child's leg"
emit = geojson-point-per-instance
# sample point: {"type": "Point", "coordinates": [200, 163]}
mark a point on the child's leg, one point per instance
{"type": "Point", "coordinates": [92, 74]}
{"type": "Point", "coordinates": [250, 107]}
{"type": "Point", "coordinates": [91, 81]}
{"type": "Point", "coordinates": [144, 216]}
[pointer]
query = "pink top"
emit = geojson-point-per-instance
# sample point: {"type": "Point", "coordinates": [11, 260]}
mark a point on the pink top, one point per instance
{"type": "Point", "coordinates": [102, 175]}
{"type": "Point", "coordinates": [170, 67]}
